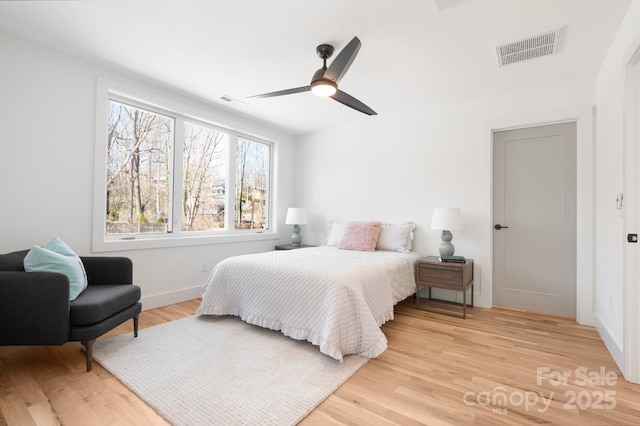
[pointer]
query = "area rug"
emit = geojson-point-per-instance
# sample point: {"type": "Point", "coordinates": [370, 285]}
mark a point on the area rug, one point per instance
{"type": "Point", "coordinates": [210, 370]}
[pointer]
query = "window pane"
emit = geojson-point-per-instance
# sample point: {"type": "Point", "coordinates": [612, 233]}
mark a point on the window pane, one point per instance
{"type": "Point", "coordinates": [138, 170]}
{"type": "Point", "coordinates": [204, 183]}
{"type": "Point", "coordinates": [252, 181]}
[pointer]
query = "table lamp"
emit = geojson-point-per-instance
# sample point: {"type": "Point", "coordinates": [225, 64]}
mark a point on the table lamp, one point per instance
{"type": "Point", "coordinates": [446, 219]}
{"type": "Point", "coordinates": [296, 216]}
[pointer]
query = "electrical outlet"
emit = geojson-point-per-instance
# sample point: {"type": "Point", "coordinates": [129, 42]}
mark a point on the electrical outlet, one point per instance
{"type": "Point", "coordinates": [204, 266]}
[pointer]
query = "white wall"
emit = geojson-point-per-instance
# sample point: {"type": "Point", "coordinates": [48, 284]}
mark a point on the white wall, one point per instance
{"type": "Point", "coordinates": [47, 138]}
{"type": "Point", "coordinates": [396, 169]}
{"type": "Point", "coordinates": [611, 95]}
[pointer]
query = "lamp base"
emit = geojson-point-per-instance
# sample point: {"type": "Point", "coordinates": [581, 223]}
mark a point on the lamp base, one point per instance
{"type": "Point", "coordinates": [446, 248]}
{"type": "Point", "coordinates": [296, 239]}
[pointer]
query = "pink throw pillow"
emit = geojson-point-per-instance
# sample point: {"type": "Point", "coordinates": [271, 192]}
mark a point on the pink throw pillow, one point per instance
{"type": "Point", "coordinates": [361, 236]}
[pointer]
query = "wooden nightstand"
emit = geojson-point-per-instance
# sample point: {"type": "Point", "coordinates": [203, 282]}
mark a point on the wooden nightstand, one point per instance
{"type": "Point", "coordinates": [292, 247]}
{"type": "Point", "coordinates": [430, 272]}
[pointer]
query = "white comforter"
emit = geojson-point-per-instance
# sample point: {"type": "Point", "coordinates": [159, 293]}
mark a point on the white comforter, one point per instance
{"type": "Point", "coordinates": [335, 299]}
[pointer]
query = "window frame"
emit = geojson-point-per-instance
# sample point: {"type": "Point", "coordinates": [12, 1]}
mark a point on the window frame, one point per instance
{"type": "Point", "coordinates": [165, 103]}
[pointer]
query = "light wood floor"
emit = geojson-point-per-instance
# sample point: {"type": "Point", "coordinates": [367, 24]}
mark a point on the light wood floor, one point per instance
{"type": "Point", "coordinates": [438, 370]}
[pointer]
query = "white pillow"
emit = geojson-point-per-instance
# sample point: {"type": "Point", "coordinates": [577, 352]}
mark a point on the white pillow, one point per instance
{"type": "Point", "coordinates": [396, 237]}
{"type": "Point", "coordinates": [336, 230]}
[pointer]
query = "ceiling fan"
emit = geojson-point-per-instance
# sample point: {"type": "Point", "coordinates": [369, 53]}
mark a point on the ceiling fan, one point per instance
{"type": "Point", "coordinates": [325, 81]}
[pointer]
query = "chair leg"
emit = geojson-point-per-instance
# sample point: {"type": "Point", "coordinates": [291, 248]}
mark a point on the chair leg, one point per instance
{"type": "Point", "coordinates": [88, 347]}
{"type": "Point", "coordinates": [135, 326]}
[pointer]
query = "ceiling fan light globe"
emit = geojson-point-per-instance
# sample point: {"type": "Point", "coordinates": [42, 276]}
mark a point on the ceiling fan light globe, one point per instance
{"type": "Point", "coordinates": [323, 88]}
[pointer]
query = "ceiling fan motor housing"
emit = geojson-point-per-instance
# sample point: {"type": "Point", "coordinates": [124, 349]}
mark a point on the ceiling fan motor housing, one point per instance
{"type": "Point", "coordinates": [323, 87]}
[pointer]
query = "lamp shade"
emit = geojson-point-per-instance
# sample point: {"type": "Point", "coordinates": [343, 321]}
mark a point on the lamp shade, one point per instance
{"type": "Point", "coordinates": [296, 216]}
{"type": "Point", "coordinates": [446, 218]}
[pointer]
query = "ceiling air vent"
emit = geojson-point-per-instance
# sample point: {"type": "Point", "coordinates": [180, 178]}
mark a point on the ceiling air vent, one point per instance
{"type": "Point", "coordinates": [530, 48]}
{"type": "Point", "coordinates": [229, 99]}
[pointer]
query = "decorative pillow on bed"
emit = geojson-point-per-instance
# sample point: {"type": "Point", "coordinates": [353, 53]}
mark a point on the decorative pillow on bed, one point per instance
{"type": "Point", "coordinates": [396, 237]}
{"type": "Point", "coordinates": [361, 236]}
{"type": "Point", "coordinates": [336, 229]}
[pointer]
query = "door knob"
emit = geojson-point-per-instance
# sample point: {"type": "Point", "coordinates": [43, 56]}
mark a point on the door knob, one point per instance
{"type": "Point", "coordinates": [499, 227]}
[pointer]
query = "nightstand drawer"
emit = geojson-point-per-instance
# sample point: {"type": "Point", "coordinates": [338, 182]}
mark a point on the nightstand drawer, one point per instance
{"type": "Point", "coordinates": [444, 276]}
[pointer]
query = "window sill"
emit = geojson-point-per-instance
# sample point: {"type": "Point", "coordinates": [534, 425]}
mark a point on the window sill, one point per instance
{"type": "Point", "coordinates": [142, 242]}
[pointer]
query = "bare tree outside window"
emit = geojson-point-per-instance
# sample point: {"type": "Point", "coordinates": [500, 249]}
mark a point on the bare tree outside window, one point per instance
{"type": "Point", "coordinates": [204, 183]}
{"type": "Point", "coordinates": [170, 175]}
{"type": "Point", "coordinates": [252, 181]}
{"type": "Point", "coordinates": [138, 170]}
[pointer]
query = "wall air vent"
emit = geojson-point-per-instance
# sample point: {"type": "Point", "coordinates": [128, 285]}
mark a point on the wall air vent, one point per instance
{"type": "Point", "coordinates": [530, 48]}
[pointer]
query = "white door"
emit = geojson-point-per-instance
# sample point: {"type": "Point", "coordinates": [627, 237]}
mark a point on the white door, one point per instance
{"type": "Point", "coordinates": [534, 212]}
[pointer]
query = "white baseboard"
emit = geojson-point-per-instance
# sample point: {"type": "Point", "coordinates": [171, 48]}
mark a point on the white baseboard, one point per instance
{"type": "Point", "coordinates": [164, 299]}
{"type": "Point", "coordinates": [615, 348]}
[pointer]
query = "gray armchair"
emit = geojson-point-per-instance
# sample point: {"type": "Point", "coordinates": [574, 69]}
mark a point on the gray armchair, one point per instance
{"type": "Point", "coordinates": [35, 307]}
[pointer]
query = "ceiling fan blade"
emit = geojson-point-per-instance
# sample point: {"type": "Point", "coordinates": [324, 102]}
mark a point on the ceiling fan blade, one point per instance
{"type": "Point", "coordinates": [343, 61]}
{"type": "Point", "coordinates": [351, 102]}
{"type": "Point", "coordinates": [282, 92]}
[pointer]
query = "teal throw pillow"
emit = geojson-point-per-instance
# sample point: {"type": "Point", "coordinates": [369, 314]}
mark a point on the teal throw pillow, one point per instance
{"type": "Point", "coordinates": [56, 256]}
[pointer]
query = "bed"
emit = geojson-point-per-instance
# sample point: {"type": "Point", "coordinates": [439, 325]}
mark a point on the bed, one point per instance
{"type": "Point", "coordinates": [334, 298]}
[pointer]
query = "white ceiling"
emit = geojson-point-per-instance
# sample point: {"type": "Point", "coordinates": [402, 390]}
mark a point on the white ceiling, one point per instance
{"type": "Point", "coordinates": [415, 54]}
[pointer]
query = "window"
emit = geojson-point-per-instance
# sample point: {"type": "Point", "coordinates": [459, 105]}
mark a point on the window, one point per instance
{"type": "Point", "coordinates": [205, 176]}
{"type": "Point", "coordinates": [169, 175]}
{"type": "Point", "coordinates": [252, 181]}
{"type": "Point", "coordinates": [139, 152]}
